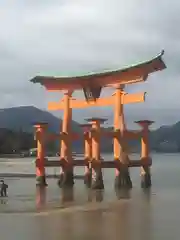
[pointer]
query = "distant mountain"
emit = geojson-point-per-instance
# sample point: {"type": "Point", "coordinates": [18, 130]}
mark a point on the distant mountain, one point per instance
{"type": "Point", "coordinates": [164, 139]}
{"type": "Point", "coordinates": [23, 118]}
{"type": "Point", "coordinates": [11, 141]}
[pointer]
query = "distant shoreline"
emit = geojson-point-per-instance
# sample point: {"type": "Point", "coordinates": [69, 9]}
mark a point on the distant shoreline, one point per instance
{"type": "Point", "coordinates": [12, 156]}
{"type": "Point", "coordinates": [31, 175]}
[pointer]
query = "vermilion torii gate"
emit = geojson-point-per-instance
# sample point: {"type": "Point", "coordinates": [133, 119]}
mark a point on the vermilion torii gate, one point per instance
{"type": "Point", "coordinates": [92, 85]}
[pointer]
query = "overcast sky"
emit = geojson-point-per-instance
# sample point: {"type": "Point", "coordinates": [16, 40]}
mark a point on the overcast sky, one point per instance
{"type": "Point", "coordinates": [61, 37]}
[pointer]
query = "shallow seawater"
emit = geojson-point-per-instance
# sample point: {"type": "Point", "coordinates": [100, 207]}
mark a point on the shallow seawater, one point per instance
{"type": "Point", "coordinates": [54, 214]}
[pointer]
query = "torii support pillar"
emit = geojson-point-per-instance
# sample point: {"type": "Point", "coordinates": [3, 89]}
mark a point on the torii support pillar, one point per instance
{"type": "Point", "coordinates": [87, 154]}
{"type": "Point", "coordinates": [145, 157]}
{"type": "Point", "coordinates": [122, 178]}
{"type": "Point", "coordinates": [97, 178]}
{"type": "Point", "coordinates": [66, 174]}
{"type": "Point", "coordinates": [40, 160]}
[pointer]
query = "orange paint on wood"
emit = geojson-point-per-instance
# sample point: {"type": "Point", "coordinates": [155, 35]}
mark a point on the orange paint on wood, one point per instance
{"type": "Point", "coordinates": [87, 146]}
{"type": "Point", "coordinates": [145, 138]}
{"type": "Point", "coordinates": [66, 129]}
{"type": "Point", "coordinates": [145, 147]}
{"type": "Point", "coordinates": [95, 137]}
{"type": "Point", "coordinates": [125, 78]}
{"type": "Point", "coordinates": [117, 118]}
{"type": "Point", "coordinates": [40, 161]}
{"type": "Point", "coordinates": [75, 103]}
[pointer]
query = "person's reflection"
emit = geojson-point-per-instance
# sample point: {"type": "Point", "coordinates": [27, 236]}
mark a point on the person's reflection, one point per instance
{"type": "Point", "coordinates": [67, 195]}
{"type": "Point", "coordinates": [40, 196]}
{"type": "Point", "coordinates": [123, 193]}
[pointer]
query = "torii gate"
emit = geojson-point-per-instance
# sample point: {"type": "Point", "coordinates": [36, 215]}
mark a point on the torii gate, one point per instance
{"type": "Point", "coordinates": [92, 85]}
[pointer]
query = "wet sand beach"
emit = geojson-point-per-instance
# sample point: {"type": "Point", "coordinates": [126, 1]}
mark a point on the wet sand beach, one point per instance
{"type": "Point", "coordinates": [82, 214]}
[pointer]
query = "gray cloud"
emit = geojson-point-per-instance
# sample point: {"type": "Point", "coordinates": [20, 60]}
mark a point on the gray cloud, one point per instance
{"type": "Point", "coordinates": [73, 37]}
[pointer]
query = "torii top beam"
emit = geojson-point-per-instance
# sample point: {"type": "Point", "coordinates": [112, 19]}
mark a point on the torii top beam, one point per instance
{"type": "Point", "coordinates": [129, 75]}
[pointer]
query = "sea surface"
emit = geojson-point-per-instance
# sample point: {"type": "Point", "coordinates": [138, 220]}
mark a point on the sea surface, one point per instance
{"type": "Point", "coordinates": [29, 213]}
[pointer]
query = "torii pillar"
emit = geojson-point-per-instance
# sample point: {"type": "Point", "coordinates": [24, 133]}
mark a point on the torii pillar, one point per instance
{"type": "Point", "coordinates": [66, 174]}
{"type": "Point", "coordinates": [87, 154]}
{"type": "Point", "coordinates": [40, 160]}
{"type": "Point", "coordinates": [122, 178]}
{"type": "Point", "coordinates": [145, 153]}
{"type": "Point", "coordinates": [97, 178]}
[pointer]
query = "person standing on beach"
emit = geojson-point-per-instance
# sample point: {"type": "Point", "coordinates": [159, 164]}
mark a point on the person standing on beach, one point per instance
{"type": "Point", "coordinates": [4, 187]}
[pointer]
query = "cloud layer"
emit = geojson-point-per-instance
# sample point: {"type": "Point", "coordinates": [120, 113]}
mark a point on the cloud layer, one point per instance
{"type": "Point", "coordinates": [68, 37]}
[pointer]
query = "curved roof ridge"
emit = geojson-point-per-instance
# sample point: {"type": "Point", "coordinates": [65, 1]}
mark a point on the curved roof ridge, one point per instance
{"type": "Point", "coordinates": [91, 73]}
{"type": "Point", "coordinates": [120, 69]}
{"type": "Point", "coordinates": [142, 69]}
